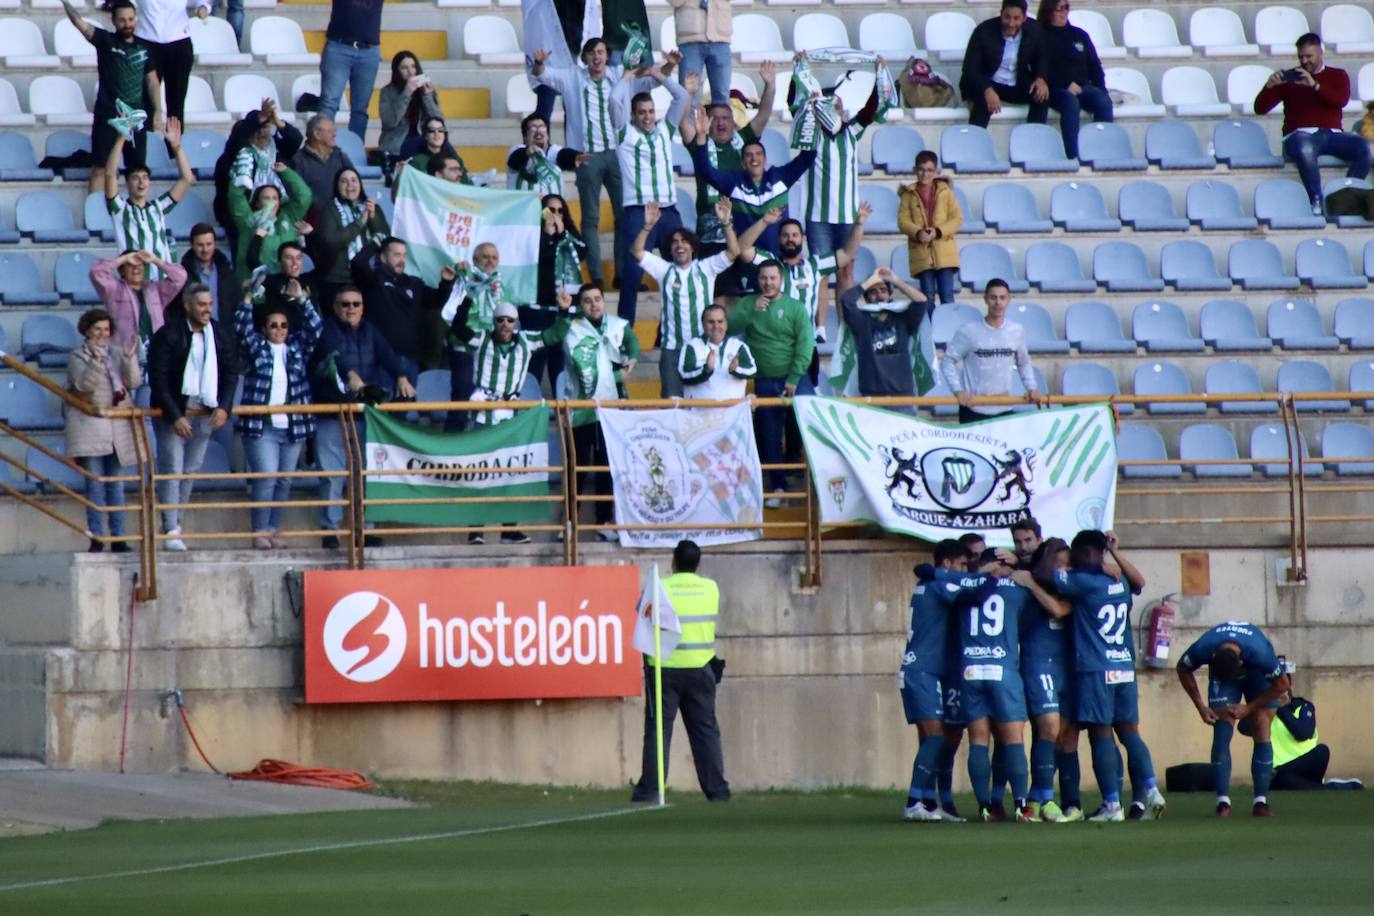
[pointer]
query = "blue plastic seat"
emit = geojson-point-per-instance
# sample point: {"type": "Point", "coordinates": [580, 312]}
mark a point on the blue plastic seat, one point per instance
{"type": "Point", "coordinates": [1243, 145]}
{"type": "Point", "coordinates": [865, 262]}
{"type": "Point", "coordinates": [217, 462]}
{"type": "Point", "coordinates": [1230, 376]}
{"type": "Point", "coordinates": [203, 148]}
{"type": "Point", "coordinates": [1188, 265]}
{"type": "Point", "coordinates": [950, 318]}
{"type": "Point", "coordinates": [1362, 379]}
{"type": "Point", "coordinates": [44, 217]}
{"type": "Point", "coordinates": [47, 339]}
{"type": "Point", "coordinates": [895, 147]}
{"type": "Point", "coordinates": [682, 161]}
{"type": "Point", "coordinates": [1281, 203]}
{"type": "Point", "coordinates": [883, 200]}
{"type": "Point", "coordinates": [1078, 206]}
{"type": "Point", "coordinates": [1039, 328]}
{"type": "Point", "coordinates": [160, 165]}
{"type": "Point", "coordinates": [432, 385]}
{"type": "Point", "coordinates": [20, 283]}
{"type": "Point", "coordinates": [1325, 264]}
{"type": "Point", "coordinates": [1146, 206]}
{"type": "Point", "coordinates": [8, 236]}
{"type": "Point", "coordinates": [1271, 440]}
{"type": "Point", "coordinates": [968, 149]}
{"type": "Point", "coordinates": [1107, 148]}
{"type": "Point", "coordinates": [1349, 221]}
{"type": "Point", "coordinates": [1009, 207]}
{"type": "Point", "coordinates": [1369, 260]}
{"type": "Point", "coordinates": [194, 210]}
{"type": "Point", "coordinates": [352, 145]}
{"type": "Point", "coordinates": [1138, 442]}
{"type": "Point", "coordinates": [971, 225]}
{"type": "Point", "coordinates": [1257, 264]}
{"type": "Point", "coordinates": [25, 404]}
{"type": "Point", "coordinates": [898, 261]}
{"type": "Point", "coordinates": [18, 161]}
{"type": "Point", "coordinates": [775, 146]}
{"type": "Point", "coordinates": [941, 390]}
{"type": "Point", "coordinates": [73, 278]}
{"type": "Point", "coordinates": [1164, 378]}
{"type": "Point", "coordinates": [1053, 267]}
{"type": "Point", "coordinates": [1039, 148]}
{"type": "Point", "coordinates": [97, 217]}
{"type": "Point", "coordinates": [1084, 379]}
{"type": "Point", "coordinates": [980, 262]}
{"type": "Point", "coordinates": [55, 472]}
{"type": "Point", "coordinates": [1209, 442]}
{"type": "Point", "coordinates": [1215, 205]}
{"type": "Point", "coordinates": [64, 143]}
{"type": "Point", "coordinates": [1121, 267]}
{"type": "Point", "coordinates": [1018, 389]}
{"type": "Point", "coordinates": [1228, 326]}
{"type": "Point", "coordinates": [1349, 440]}
{"type": "Point", "coordinates": [1306, 376]}
{"type": "Point", "coordinates": [1093, 327]}
{"type": "Point", "coordinates": [1295, 324]}
{"type": "Point", "coordinates": [1354, 324]}
{"type": "Point", "coordinates": [1174, 145]}
{"type": "Point", "coordinates": [1160, 327]}
{"type": "Point", "coordinates": [686, 207]}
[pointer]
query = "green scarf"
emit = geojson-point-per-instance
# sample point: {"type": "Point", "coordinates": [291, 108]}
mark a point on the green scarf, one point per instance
{"type": "Point", "coordinates": [585, 343]}
{"type": "Point", "coordinates": [485, 291]}
{"type": "Point", "coordinates": [348, 215]}
{"type": "Point", "coordinates": [567, 264]}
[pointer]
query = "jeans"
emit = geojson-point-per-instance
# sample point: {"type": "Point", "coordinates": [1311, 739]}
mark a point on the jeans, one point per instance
{"type": "Point", "coordinates": [409, 366]}
{"type": "Point", "coordinates": [709, 59]}
{"type": "Point", "coordinates": [272, 452]}
{"type": "Point", "coordinates": [1303, 149]}
{"type": "Point", "coordinates": [770, 423]}
{"type": "Point", "coordinates": [602, 170]}
{"type": "Point", "coordinates": [631, 221]}
{"type": "Point", "coordinates": [827, 238]}
{"type": "Point", "coordinates": [329, 448]}
{"type": "Point", "coordinates": [1094, 100]}
{"type": "Point", "coordinates": [342, 65]}
{"type": "Point", "coordinates": [104, 494]}
{"type": "Point", "coordinates": [461, 367]}
{"type": "Point", "coordinates": [938, 281]}
{"type": "Point", "coordinates": [1010, 95]}
{"type": "Point", "coordinates": [233, 14]}
{"type": "Point", "coordinates": [176, 455]}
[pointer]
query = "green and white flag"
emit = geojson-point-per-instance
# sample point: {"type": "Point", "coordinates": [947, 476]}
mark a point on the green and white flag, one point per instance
{"type": "Point", "coordinates": [493, 451]}
{"type": "Point", "coordinates": [443, 222]}
{"type": "Point", "coordinates": [933, 481]}
{"type": "Point", "coordinates": [844, 362]}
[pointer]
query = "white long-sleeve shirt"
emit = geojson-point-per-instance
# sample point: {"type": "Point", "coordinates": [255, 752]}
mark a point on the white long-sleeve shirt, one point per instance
{"type": "Point", "coordinates": [980, 360]}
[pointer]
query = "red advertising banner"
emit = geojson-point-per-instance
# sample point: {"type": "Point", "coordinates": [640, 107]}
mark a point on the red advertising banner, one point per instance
{"type": "Point", "coordinates": [396, 635]}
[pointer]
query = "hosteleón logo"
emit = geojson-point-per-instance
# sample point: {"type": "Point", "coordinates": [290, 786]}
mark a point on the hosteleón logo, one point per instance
{"type": "Point", "coordinates": [364, 636]}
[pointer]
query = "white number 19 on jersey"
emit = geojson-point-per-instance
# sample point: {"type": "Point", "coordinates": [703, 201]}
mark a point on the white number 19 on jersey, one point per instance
{"type": "Point", "coordinates": [991, 615]}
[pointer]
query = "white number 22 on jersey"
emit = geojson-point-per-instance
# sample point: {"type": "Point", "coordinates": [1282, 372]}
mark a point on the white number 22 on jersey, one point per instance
{"type": "Point", "coordinates": [992, 615]}
{"type": "Point", "coordinates": [1112, 625]}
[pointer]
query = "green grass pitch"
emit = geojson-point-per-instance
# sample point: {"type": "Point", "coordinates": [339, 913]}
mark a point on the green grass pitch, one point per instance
{"type": "Point", "coordinates": [763, 852]}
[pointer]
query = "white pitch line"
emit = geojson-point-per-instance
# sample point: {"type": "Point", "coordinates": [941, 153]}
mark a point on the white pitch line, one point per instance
{"type": "Point", "coordinates": [328, 847]}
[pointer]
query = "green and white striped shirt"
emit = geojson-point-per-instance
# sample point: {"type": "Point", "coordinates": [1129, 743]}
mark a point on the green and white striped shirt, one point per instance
{"type": "Point", "coordinates": [500, 369]}
{"type": "Point", "coordinates": [719, 383]}
{"type": "Point", "coordinates": [686, 293]}
{"type": "Point", "coordinates": [596, 113]}
{"type": "Point", "coordinates": [832, 189]}
{"type": "Point", "coordinates": [143, 228]}
{"type": "Point", "coordinates": [646, 165]}
{"type": "Point", "coordinates": [802, 281]}
{"type": "Point", "coordinates": [541, 172]}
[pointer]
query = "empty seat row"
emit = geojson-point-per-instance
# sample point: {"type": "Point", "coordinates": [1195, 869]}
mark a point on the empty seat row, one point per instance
{"type": "Point", "coordinates": [276, 39]}
{"type": "Point", "coordinates": [1209, 450]}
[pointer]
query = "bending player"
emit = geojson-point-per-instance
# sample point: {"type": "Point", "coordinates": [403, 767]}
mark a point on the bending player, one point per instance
{"type": "Point", "coordinates": [1240, 663]}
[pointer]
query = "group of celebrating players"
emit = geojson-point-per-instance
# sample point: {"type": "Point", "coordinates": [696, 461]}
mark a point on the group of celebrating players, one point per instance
{"type": "Point", "coordinates": [1046, 629]}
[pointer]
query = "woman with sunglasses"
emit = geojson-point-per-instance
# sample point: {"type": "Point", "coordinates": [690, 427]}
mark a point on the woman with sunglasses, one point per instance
{"type": "Point", "coordinates": [274, 359]}
{"type": "Point", "coordinates": [1073, 72]}
{"type": "Point", "coordinates": [417, 151]}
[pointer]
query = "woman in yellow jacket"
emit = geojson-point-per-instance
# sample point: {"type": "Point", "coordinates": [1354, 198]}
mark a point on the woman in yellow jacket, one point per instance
{"type": "Point", "coordinates": [929, 216]}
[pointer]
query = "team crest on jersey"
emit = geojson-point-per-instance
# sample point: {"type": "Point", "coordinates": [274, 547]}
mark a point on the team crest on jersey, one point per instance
{"type": "Point", "coordinates": [955, 487]}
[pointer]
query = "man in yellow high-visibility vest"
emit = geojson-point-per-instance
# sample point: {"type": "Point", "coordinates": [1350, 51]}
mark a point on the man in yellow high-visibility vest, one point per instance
{"type": "Point", "coordinates": [689, 681]}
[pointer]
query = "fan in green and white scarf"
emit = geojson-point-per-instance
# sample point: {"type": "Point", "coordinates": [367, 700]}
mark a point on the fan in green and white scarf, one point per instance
{"type": "Point", "coordinates": [253, 167]}
{"type": "Point", "coordinates": [349, 213]}
{"type": "Point", "coordinates": [595, 355]}
{"type": "Point", "coordinates": [485, 290]}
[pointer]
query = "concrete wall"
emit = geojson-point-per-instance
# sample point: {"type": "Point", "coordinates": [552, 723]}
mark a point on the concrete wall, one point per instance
{"type": "Point", "coordinates": [809, 699]}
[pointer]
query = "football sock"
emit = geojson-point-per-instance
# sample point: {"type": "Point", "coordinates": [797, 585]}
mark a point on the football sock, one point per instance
{"type": "Point", "coordinates": [1014, 762]}
{"type": "Point", "coordinates": [1120, 772]}
{"type": "Point", "coordinates": [944, 775]}
{"type": "Point", "coordinates": [999, 773]}
{"type": "Point", "coordinates": [1042, 769]}
{"type": "Point", "coordinates": [980, 773]}
{"type": "Point", "coordinates": [1070, 775]}
{"type": "Point", "coordinates": [1221, 755]}
{"type": "Point", "coordinates": [923, 769]}
{"type": "Point", "coordinates": [1105, 769]}
{"type": "Point", "coordinates": [1262, 768]}
{"type": "Point", "coordinates": [1141, 766]}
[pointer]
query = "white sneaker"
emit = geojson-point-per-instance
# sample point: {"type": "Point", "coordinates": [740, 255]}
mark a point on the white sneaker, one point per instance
{"type": "Point", "coordinates": [774, 501]}
{"type": "Point", "coordinates": [919, 812]}
{"type": "Point", "coordinates": [946, 817]}
{"type": "Point", "coordinates": [608, 536]}
{"type": "Point", "coordinates": [174, 541]}
{"type": "Point", "coordinates": [1154, 805]}
{"type": "Point", "coordinates": [1109, 814]}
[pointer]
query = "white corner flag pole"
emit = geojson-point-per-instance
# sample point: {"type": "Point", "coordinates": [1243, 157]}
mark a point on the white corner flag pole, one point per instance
{"type": "Point", "coordinates": [658, 691]}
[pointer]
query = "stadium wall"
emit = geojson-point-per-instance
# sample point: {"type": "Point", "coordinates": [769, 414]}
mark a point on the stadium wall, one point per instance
{"type": "Point", "coordinates": [809, 698]}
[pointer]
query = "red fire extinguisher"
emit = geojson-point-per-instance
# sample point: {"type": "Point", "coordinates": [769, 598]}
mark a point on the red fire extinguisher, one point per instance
{"type": "Point", "coordinates": [1161, 632]}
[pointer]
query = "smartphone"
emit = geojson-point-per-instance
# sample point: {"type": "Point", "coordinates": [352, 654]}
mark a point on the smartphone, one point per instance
{"type": "Point", "coordinates": [1292, 76]}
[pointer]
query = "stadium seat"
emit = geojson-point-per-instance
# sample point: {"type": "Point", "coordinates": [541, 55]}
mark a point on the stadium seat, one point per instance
{"type": "Point", "coordinates": [947, 35]}
{"type": "Point", "coordinates": [1189, 92]}
{"type": "Point", "coordinates": [1137, 442]}
{"type": "Point", "coordinates": [1325, 264]}
{"type": "Point", "coordinates": [1295, 324]}
{"type": "Point", "coordinates": [433, 385]}
{"type": "Point", "coordinates": [1257, 264]}
{"type": "Point", "coordinates": [1354, 324]}
{"type": "Point", "coordinates": [1349, 441]}
{"type": "Point", "coordinates": [1040, 334]}
{"type": "Point", "coordinates": [1039, 148]}
{"type": "Point", "coordinates": [1226, 325]}
{"type": "Point", "coordinates": [757, 39]}
{"type": "Point", "coordinates": [1160, 327]}
{"type": "Point", "coordinates": [18, 161]}
{"type": "Point", "coordinates": [667, 34]}
{"type": "Point", "coordinates": [1349, 29]}
{"type": "Point", "coordinates": [1100, 31]}
{"type": "Point", "coordinates": [1281, 203]}
{"type": "Point", "coordinates": [1159, 378]}
{"type": "Point", "coordinates": [8, 236]}
{"type": "Point", "coordinates": [203, 148]}
{"type": "Point", "coordinates": [686, 208]}
{"type": "Point", "coordinates": [200, 105]}
{"type": "Point", "coordinates": [1052, 267]}
{"type": "Point", "coordinates": [1364, 84]}
{"type": "Point", "coordinates": [1273, 441]}
{"type": "Point", "coordinates": [25, 404]}
{"type": "Point", "coordinates": [1174, 145]}
{"type": "Point", "coordinates": [865, 263]}
{"type": "Point", "coordinates": [813, 31]}
{"type": "Point", "coordinates": [1093, 327]}
{"type": "Point", "coordinates": [70, 45]}
{"type": "Point", "coordinates": [1348, 221]}
{"type": "Point", "coordinates": [889, 35]}
{"type": "Point", "coordinates": [775, 147]}
{"type": "Point", "coordinates": [216, 45]}
{"type": "Point", "coordinates": [97, 217]}
{"type": "Point", "coordinates": [64, 143]}
{"type": "Point", "coordinates": [1278, 28]}
{"type": "Point", "coordinates": [899, 262]}
{"type": "Point", "coordinates": [193, 209]}
{"type": "Point", "coordinates": [11, 114]}
{"type": "Point", "coordinates": [1010, 207]}
{"type": "Point", "coordinates": [895, 147]}
{"type": "Point", "coordinates": [352, 145]}
{"type": "Point", "coordinates": [1209, 442]}
{"type": "Point", "coordinates": [1230, 376]}
{"type": "Point", "coordinates": [1018, 389]}
{"type": "Point", "coordinates": [950, 318]}
{"type": "Point", "coordinates": [1077, 206]}
{"type": "Point", "coordinates": [1243, 83]}
{"type": "Point", "coordinates": [1106, 147]}
{"type": "Point", "coordinates": [281, 43]}
{"type": "Point", "coordinates": [43, 216]}
{"type": "Point", "coordinates": [1152, 34]}
{"type": "Point", "coordinates": [941, 390]}
{"type": "Point", "coordinates": [1362, 379]}
{"type": "Point", "coordinates": [45, 339]}
{"type": "Point", "coordinates": [1139, 102]}
{"type": "Point", "coordinates": [682, 160]}
{"type": "Point", "coordinates": [520, 98]}
{"type": "Point", "coordinates": [72, 276]}
{"type": "Point", "coordinates": [1121, 267]}
{"type": "Point", "coordinates": [1146, 206]}
{"type": "Point", "coordinates": [968, 149]}
{"type": "Point", "coordinates": [1188, 266]}
{"type": "Point", "coordinates": [21, 46]}
{"type": "Point", "coordinates": [883, 200]}
{"type": "Point", "coordinates": [980, 262]}
{"type": "Point", "coordinates": [159, 163]}
{"type": "Point", "coordinates": [1214, 205]}
{"type": "Point", "coordinates": [47, 472]}
{"type": "Point", "coordinates": [1090, 380]}
{"type": "Point", "coordinates": [1218, 32]}
{"type": "Point", "coordinates": [59, 101]}
{"type": "Point", "coordinates": [244, 92]}
{"type": "Point", "coordinates": [492, 40]}
{"type": "Point", "coordinates": [971, 225]}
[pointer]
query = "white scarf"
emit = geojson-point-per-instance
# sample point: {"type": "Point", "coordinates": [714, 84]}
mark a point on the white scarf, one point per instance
{"type": "Point", "coordinates": [203, 385]}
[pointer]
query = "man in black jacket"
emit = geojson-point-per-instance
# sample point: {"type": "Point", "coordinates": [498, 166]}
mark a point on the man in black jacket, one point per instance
{"type": "Point", "coordinates": [192, 365]}
{"type": "Point", "coordinates": [207, 265]}
{"type": "Point", "coordinates": [402, 307]}
{"type": "Point", "coordinates": [1005, 63]}
{"type": "Point", "coordinates": [289, 289]}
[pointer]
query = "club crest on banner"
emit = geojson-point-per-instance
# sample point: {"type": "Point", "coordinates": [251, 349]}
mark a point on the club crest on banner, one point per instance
{"type": "Point", "coordinates": [660, 485]}
{"type": "Point", "coordinates": [459, 229]}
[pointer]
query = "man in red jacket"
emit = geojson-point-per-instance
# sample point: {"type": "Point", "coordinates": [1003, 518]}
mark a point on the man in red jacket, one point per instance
{"type": "Point", "coordinates": [1313, 96]}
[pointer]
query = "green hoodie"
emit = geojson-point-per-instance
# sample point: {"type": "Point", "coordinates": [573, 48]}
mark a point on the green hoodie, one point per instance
{"type": "Point", "coordinates": [780, 337]}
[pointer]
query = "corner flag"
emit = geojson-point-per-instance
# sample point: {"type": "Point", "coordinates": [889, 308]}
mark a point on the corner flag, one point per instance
{"type": "Point", "coordinates": [657, 632]}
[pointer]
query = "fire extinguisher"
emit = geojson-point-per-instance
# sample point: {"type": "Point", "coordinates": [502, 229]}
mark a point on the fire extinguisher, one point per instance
{"type": "Point", "coordinates": [1161, 632]}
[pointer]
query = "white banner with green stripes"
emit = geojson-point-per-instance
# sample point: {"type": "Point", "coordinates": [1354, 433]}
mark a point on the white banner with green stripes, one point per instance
{"type": "Point", "coordinates": [934, 481]}
{"type": "Point", "coordinates": [443, 221]}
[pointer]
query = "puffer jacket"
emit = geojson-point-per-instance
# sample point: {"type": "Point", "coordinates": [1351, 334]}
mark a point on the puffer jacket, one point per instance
{"type": "Point", "coordinates": [91, 437]}
{"type": "Point", "coordinates": [911, 218]}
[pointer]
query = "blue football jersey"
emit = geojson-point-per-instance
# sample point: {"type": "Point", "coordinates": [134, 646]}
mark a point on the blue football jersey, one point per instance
{"type": "Point", "coordinates": [1042, 636]}
{"type": "Point", "coordinates": [929, 632]}
{"type": "Point", "coordinates": [1256, 652]}
{"type": "Point", "coordinates": [1102, 639]}
{"type": "Point", "coordinates": [989, 624]}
